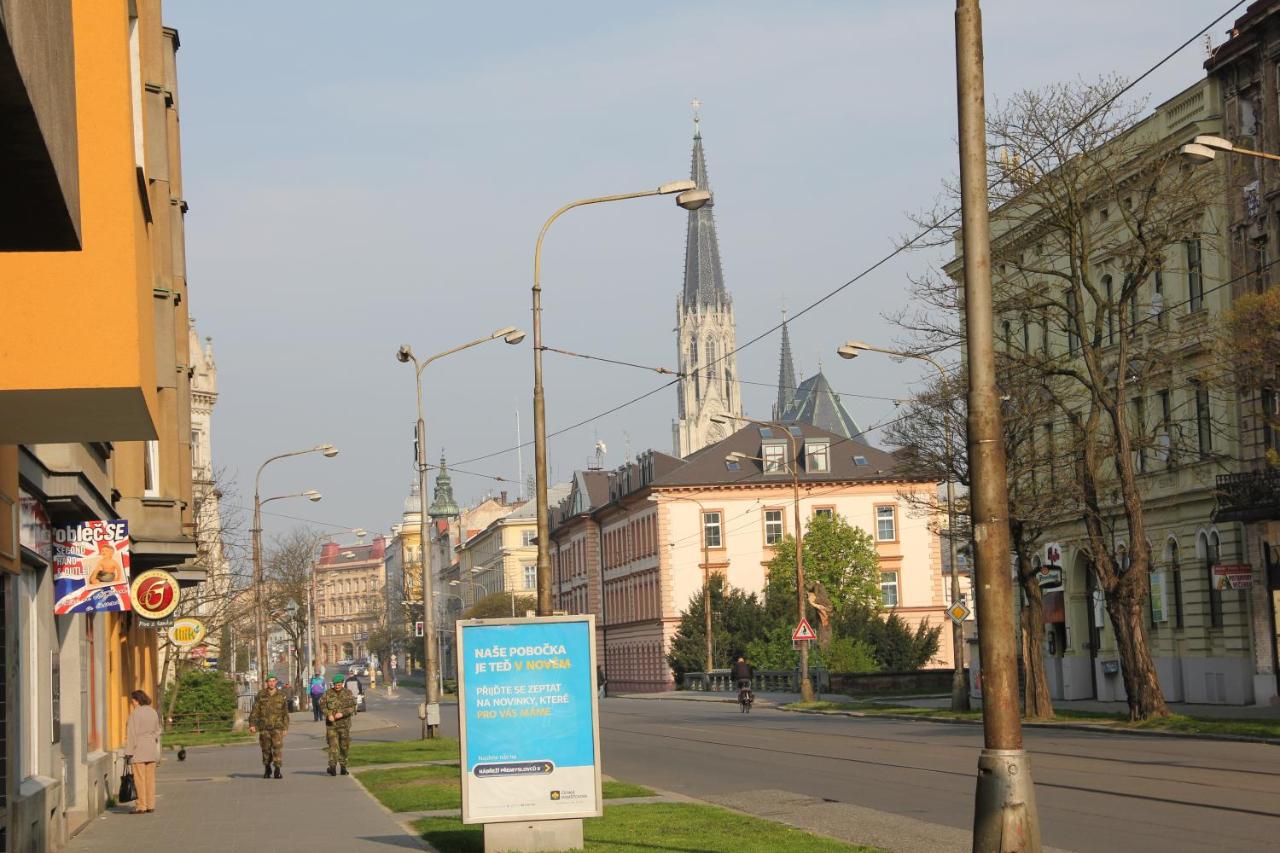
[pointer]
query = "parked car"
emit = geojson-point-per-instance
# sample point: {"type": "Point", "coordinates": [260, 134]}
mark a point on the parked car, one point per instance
{"type": "Point", "coordinates": [358, 670]}
{"type": "Point", "coordinates": [354, 685]}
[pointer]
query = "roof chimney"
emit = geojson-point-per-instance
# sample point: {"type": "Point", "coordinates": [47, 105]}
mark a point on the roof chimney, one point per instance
{"type": "Point", "coordinates": [504, 496]}
{"type": "Point", "coordinates": [329, 552]}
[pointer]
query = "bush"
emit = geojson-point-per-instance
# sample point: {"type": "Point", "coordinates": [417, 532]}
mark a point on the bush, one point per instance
{"type": "Point", "coordinates": [204, 698]}
{"type": "Point", "coordinates": [737, 618]}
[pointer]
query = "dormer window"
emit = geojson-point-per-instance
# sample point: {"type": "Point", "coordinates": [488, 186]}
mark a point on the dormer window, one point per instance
{"type": "Point", "coordinates": [817, 457]}
{"type": "Point", "coordinates": [775, 458]}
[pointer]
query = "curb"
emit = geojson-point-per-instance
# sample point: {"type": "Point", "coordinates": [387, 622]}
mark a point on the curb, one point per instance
{"type": "Point", "coordinates": [1078, 727]}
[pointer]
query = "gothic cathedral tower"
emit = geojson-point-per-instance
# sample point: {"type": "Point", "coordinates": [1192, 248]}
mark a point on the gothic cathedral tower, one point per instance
{"type": "Point", "coordinates": [705, 330]}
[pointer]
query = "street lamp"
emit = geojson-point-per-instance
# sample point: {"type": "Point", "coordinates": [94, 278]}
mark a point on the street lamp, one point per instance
{"type": "Point", "coordinates": [326, 450]}
{"type": "Point", "coordinates": [806, 684]}
{"type": "Point", "coordinates": [689, 197]}
{"type": "Point", "coordinates": [959, 683]}
{"type": "Point", "coordinates": [1203, 149]}
{"type": "Point", "coordinates": [510, 335]}
{"type": "Point", "coordinates": [706, 579]}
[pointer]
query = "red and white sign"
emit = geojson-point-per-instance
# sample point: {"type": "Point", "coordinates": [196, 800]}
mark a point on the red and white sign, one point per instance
{"type": "Point", "coordinates": [91, 567]}
{"type": "Point", "coordinates": [155, 594]}
{"type": "Point", "coordinates": [803, 631]}
{"type": "Point", "coordinates": [1233, 577]}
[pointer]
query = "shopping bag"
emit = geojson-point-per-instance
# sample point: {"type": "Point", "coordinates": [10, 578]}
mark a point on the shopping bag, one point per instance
{"type": "Point", "coordinates": [128, 791]}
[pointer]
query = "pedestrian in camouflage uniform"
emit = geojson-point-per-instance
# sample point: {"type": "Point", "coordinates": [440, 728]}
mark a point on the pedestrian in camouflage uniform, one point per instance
{"type": "Point", "coordinates": [270, 718]}
{"type": "Point", "coordinates": [339, 708]}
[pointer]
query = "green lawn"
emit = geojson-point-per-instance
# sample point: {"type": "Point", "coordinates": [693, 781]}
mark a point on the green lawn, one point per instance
{"type": "Point", "coordinates": [403, 752]}
{"type": "Point", "coordinates": [1269, 728]}
{"type": "Point", "coordinates": [435, 788]}
{"type": "Point", "coordinates": [172, 740]}
{"type": "Point", "coordinates": [660, 826]}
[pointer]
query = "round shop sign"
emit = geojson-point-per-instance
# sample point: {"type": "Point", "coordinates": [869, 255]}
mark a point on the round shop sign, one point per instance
{"type": "Point", "coordinates": [187, 632]}
{"type": "Point", "coordinates": [155, 594]}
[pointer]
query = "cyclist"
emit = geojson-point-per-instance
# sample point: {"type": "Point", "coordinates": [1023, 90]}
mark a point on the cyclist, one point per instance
{"type": "Point", "coordinates": [743, 674]}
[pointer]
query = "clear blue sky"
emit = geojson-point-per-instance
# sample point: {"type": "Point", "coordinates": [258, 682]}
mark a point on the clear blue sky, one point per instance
{"type": "Point", "coordinates": [366, 175]}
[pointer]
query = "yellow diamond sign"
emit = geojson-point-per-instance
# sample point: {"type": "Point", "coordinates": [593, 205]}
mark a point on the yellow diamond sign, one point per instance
{"type": "Point", "coordinates": [958, 612]}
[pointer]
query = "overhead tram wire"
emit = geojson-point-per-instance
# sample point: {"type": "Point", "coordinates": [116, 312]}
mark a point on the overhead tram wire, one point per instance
{"type": "Point", "coordinates": [900, 249]}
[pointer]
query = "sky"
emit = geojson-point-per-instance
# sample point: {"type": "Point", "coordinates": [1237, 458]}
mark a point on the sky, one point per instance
{"type": "Point", "coordinates": [365, 175]}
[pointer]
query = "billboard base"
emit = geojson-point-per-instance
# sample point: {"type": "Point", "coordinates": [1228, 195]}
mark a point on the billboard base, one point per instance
{"type": "Point", "coordinates": [533, 835]}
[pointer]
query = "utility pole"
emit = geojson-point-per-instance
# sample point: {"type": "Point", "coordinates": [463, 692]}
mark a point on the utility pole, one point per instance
{"type": "Point", "coordinates": [1004, 816]}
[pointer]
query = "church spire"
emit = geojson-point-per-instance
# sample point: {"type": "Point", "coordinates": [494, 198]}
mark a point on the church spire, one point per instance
{"type": "Point", "coordinates": [703, 279]}
{"type": "Point", "coordinates": [786, 374]}
{"type": "Point", "coordinates": [443, 504]}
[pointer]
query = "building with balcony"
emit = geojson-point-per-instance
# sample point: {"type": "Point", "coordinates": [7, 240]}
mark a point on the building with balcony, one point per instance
{"type": "Point", "coordinates": [1244, 68]}
{"type": "Point", "coordinates": [350, 598]}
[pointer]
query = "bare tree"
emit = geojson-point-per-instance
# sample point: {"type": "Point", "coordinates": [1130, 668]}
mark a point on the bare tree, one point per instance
{"type": "Point", "coordinates": [1092, 209]}
{"type": "Point", "coordinates": [287, 567]}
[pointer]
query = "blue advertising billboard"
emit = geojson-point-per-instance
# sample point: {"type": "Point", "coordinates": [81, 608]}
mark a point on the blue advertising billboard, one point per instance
{"type": "Point", "coordinates": [530, 740]}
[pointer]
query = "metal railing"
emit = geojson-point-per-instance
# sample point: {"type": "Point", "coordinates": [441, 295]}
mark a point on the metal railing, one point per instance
{"type": "Point", "coordinates": [1248, 496]}
{"type": "Point", "coordinates": [199, 723]}
{"type": "Point", "coordinates": [765, 681]}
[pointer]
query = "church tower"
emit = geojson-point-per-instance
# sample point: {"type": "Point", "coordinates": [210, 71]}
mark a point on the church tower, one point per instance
{"type": "Point", "coordinates": [705, 330]}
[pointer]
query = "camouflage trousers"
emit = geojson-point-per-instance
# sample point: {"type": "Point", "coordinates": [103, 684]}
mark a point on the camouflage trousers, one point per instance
{"type": "Point", "coordinates": [272, 743]}
{"type": "Point", "coordinates": [339, 738]}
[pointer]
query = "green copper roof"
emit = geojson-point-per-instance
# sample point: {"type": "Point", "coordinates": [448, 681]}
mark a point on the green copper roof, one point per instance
{"type": "Point", "coordinates": [443, 504]}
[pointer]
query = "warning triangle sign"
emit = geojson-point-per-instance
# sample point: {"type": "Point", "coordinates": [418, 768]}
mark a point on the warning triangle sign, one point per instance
{"type": "Point", "coordinates": [803, 631]}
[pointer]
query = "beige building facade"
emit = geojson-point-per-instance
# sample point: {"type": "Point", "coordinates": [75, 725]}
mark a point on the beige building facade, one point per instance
{"type": "Point", "coordinates": [350, 597]}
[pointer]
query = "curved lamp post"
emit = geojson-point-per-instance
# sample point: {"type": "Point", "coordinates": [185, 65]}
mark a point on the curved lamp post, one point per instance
{"type": "Point", "coordinates": [959, 684]}
{"type": "Point", "coordinates": [806, 683]}
{"type": "Point", "coordinates": [510, 335]}
{"type": "Point", "coordinates": [326, 450]}
{"type": "Point", "coordinates": [689, 197]}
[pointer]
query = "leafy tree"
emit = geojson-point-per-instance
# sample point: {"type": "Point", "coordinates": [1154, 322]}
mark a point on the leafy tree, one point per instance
{"type": "Point", "coordinates": [499, 604]}
{"type": "Point", "coordinates": [840, 556]}
{"type": "Point", "coordinates": [204, 698]}
{"type": "Point", "coordinates": [737, 619]}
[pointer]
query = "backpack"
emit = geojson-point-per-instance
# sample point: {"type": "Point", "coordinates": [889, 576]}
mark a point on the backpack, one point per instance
{"type": "Point", "coordinates": [317, 686]}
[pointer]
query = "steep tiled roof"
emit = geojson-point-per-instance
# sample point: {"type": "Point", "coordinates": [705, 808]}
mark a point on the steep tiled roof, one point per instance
{"type": "Point", "coordinates": [817, 404]}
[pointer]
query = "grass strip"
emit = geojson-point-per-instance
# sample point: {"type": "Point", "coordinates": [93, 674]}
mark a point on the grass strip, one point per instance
{"type": "Point", "coordinates": [173, 740]}
{"type": "Point", "coordinates": [435, 787]}
{"type": "Point", "coordinates": [659, 826]}
{"type": "Point", "coordinates": [1180, 723]}
{"type": "Point", "coordinates": [402, 752]}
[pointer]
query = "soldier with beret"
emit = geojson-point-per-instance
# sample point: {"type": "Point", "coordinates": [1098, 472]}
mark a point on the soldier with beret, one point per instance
{"type": "Point", "coordinates": [339, 708]}
{"type": "Point", "coordinates": [270, 719]}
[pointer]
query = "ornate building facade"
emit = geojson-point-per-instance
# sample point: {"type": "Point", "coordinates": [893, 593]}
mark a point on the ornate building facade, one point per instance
{"type": "Point", "coordinates": [705, 330]}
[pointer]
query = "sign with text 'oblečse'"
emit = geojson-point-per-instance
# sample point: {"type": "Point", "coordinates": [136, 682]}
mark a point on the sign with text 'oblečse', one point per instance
{"type": "Point", "coordinates": [91, 567]}
{"type": "Point", "coordinates": [528, 719]}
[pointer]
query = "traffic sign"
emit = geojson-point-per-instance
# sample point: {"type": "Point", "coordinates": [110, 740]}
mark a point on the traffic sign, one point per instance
{"type": "Point", "coordinates": [958, 612]}
{"type": "Point", "coordinates": [803, 631]}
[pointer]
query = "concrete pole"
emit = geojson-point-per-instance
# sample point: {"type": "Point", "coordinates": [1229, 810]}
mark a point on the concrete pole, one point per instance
{"type": "Point", "coordinates": [259, 623]}
{"type": "Point", "coordinates": [806, 683]}
{"type": "Point", "coordinates": [431, 663]}
{"type": "Point", "coordinates": [1004, 808]}
{"type": "Point", "coordinates": [959, 683]}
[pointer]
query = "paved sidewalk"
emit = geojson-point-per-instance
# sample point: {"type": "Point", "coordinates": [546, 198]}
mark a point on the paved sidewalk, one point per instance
{"type": "Point", "coordinates": [217, 801]}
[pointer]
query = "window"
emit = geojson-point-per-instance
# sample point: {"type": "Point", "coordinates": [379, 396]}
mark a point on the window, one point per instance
{"type": "Point", "coordinates": [1138, 433]}
{"type": "Point", "coordinates": [775, 459]}
{"type": "Point", "coordinates": [1270, 419]}
{"type": "Point", "coordinates": [1006, 334]}
{"type": "Point", "coordinates": [1175, 574]}
{"type": "Point", "coordinates": [151, 469]}
{"type": "Point", "coordinates": [1210, 546]}
{"type": "Point", "coordinates": [1157, 300]}
{"type": "Point", "coordinates": [1130, 292]}
{"type": "Point", "coordinates": [527, 537]}
{"type": "Point", "coordinates": [711, 361]}
{"type": "Point", "coordinates": [860, 460]}
{"type": "Point", "coordinates": [1111, 312]}
{"type": "Point", "coordinates": [1026, 334]}
{"type": "Point", "coordinates": [825, 512]}
{"type": "Point", "coordinates": [1044, 334]}
{"type": "Point", "coordinates": [732, 465]}
{"type": "Point", "coordinates": [1261, 264]}
{"type": "Point", "coordinates": [773, 529]}
{"type": "Point", "coordinates": [530, 571]}
{"type": "Point", "coordinates": [1165, 438]}
{"type": "Point", "coordinates": [817, 457]}
{"type": "Point", "coordinates": [1204, 420]}
{"type": "Point", "coordinates": [886, 523]}
{"type": "Point", "coordinates": [1073, 342]}
{"type": "Point", "coordinates": [711, 530]}
{"type": "Point", "coordinates": [1195, 277]}
{"type": "Point", "coordinates": [1051, 455]}
{"type": "Point", "coordinates": [889, 589]}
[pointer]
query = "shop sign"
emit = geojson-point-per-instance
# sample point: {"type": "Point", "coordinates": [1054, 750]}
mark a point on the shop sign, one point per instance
{"type": "Point", "coordinates": [157, 624]}
{"type": "Point", "coordinates": [35, 531]}
{"type": "Point", "coordinates": [1233, 577]}
{"type": "Point", "coordinates": [187, 632]}
{"type": "Point", "coordinates": [528, 719]}
{"type": "Point", "coordinates": [155, 596]}
{"type": "Point", "coordinates": [91, 567]}
{"type": "Point", "coordinates": [1050, 575]}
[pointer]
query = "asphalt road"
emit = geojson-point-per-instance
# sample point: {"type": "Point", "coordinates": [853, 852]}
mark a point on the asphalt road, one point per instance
{"type": "Point", "coordinates": [1095, 792]}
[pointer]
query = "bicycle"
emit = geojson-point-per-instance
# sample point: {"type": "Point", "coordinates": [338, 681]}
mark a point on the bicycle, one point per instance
{"type": "Point", "coordinates": [745, 698]}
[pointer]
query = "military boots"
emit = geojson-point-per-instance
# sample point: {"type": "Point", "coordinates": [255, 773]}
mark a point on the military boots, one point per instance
{"type": "Point", "coordinates": [344, 770]}
{"type": "Point", "coordinates": [333, 771]}
{"type": "Point", "coordinates": [266, 771]}
{"type": "Point", "coordinates": [278, 774]}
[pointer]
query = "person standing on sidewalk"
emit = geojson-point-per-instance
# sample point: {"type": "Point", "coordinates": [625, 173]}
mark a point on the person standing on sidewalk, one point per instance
{"type": "Point", "coordinates": [317, 693]}
{"type": "Point", "coordinates": [142, 748]}
{"type": "Point", "coordinates": [270, 718]}
{"type": "Point", "coordinates": [339, 708]}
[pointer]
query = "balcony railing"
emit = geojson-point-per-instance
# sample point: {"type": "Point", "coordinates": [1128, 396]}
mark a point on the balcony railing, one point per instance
{"type": "Point", "coordinates": [1250, 496]}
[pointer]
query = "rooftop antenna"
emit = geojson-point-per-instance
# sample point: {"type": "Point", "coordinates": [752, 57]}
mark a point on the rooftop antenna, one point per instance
{"type": "Point", "coordinates": [601, 450]}
{"type": "Point", "coordinates": [626, 445]}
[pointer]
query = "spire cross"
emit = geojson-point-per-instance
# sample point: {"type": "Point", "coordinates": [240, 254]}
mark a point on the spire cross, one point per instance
{"type": "Point", "coordinates": [697, 114]}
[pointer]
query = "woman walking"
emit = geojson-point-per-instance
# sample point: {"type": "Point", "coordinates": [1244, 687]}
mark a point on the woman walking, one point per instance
{"type": "Point", "coordinates": [142, 748]}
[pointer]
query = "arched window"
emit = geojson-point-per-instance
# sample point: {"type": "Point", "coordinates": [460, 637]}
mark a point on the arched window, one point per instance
{"type": "Point", "coordinates": [1175, 576]}
{"type": "Point", "coordinates": [693, 368]}
{"type": "Point", "coordinates": [712, 351]}
{"type": "Point", "coordinates": [1212, 553]}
